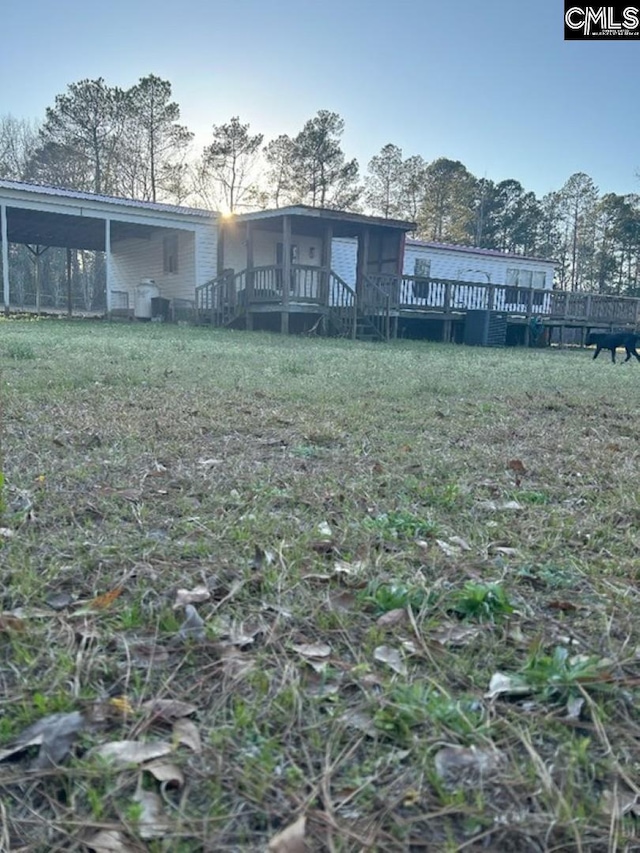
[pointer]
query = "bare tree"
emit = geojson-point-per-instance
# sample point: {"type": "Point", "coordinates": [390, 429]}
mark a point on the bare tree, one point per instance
{"type": "Point", "coordinates": [229, 162]}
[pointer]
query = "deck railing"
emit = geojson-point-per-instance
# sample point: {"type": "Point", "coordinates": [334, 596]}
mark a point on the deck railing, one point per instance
{"type": "Point", "coordinates": [383, 296]}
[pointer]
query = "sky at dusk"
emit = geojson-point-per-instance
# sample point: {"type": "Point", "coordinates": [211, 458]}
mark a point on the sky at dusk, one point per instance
{"type": "Point", "coordinates": [491, 83]}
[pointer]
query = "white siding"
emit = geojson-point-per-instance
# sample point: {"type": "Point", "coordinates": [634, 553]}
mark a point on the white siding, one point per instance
{"type": "Point", "coordinates": [461, 265]}
{"type": "Point", "coordinates": [134, 259]}
{"type": "Point", "coordinates": [265, 249]}
{"type": "Point", "coordinates": [206, 254]}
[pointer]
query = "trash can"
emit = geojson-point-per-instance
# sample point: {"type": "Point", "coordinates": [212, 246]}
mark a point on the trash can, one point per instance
{"type": "Point", "coordinates": [160, 308]}
{"type": "Point", "coordinates": [145, 292]}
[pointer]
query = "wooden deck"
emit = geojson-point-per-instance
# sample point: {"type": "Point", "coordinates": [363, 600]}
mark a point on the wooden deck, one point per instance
{"type": "Point", "coordinates": [235, 298]}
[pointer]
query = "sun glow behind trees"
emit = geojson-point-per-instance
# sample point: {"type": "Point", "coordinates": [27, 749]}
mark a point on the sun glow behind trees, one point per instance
{"type": "Point", "coordinates": [130, 142]}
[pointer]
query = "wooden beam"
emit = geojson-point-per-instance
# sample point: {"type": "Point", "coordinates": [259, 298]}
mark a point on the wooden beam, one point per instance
{"type": "Point", "coordinates": [286, 273]}
{"type": "Point", "coordinates": [5, 256]}
{"type": "Point", "coordinates": [108, 265]}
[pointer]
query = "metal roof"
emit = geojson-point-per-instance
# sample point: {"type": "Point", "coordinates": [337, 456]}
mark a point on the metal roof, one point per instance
{"type": "Point", "coordinates": [471, 250]}
{"type": "Point", "coordinates": [59, 192]}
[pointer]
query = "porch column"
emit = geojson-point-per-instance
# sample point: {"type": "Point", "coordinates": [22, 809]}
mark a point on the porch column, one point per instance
{"type": "Point", "coordinates": [286, 273]}
{"type": "Point", "coordinates": [325, 264]}
{"type": "Point", "coordinates": [361, 265]}
{"type": "Point", "coordinates": [108, 265]}
{"type": "Point", "coordinates": [248, 292]}
{"type": "Point", "coordinates": [5, 256]}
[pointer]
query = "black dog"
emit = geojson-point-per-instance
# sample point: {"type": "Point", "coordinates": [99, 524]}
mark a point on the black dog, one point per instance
{"type": "Point", "coordinates": [612, 341]}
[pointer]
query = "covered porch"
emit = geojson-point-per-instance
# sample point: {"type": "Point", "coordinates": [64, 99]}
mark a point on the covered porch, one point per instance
{"type": "Point", "coordinates": [279, 262]}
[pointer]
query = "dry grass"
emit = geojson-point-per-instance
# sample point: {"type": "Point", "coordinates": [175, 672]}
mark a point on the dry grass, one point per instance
{"type": "Point", "coordinates": [380, 530]}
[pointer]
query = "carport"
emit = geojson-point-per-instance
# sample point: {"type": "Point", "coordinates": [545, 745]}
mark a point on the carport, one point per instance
{"type": "Point", "coordinates": [141, 241]}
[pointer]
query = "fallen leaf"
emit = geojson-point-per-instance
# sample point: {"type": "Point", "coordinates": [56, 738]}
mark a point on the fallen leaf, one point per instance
{"type": "Point", "coordinates": [619, 803]}
{"type": "Point", "coordinates": [511, 685]}
{"type": "Point", "coordinates": [392, 618]}
{"type": "Point", "coordinates": [341, 600]}
{"type": "Point", "coordinates": [261, 558]}
{"type": "Point", "coordinates": [110, 841]}
{"type": "Point", "coordinates": [450, 634]}
{"type": "Point", "coordinates": [460, 542]}
{"type": "Point", "coordinates": [7, 533]}
{"type": "Point", "coordinates": [168, 709]}
{"type": "Point", "coordinates": [494, 506]}
{"type": "Point", "coordinates": [152, 821]}
{"type": "Point", "coordinates": [54, 735]}
{"type": "Point", "coordinates": [448, 549]}
{"type": "Point", "coordinates": [146, 655]}
{"type": "Point", "coordinates": [58, 600]}
{"type": "Point", "coordinates": [9, 622]}
{"type": "Point", "coordinates": [341, 567]}
{"type": "Point", "coordinates": [392, 658]}
{"type": "Point", "coordinates": [165, 772]}
{"type": "Point", "coordinates": [126, 752]}
{"type": "Point", "coordinates": [313, 650]}
{"type": "Point", "coordinates": [361, 721]}
{"type": "Point", "coordinates": [460, 765]}
{"type": "Point", "coordinates": [193, 626]}
{"type": "Point", "coordinates": [517, 466]}
{"type": "Point", "coordinates": [291, 839]}
{"type": "Point", "coordinates": [191, 596]}
{"type": "Point", "coordinates": [102, 602]}
{"type": "Point", "coordinates": [325, 530]}
{"type": "Point", "coordinates": [186, 732]}
{"type": "Point", "coordinates": [574, 708]}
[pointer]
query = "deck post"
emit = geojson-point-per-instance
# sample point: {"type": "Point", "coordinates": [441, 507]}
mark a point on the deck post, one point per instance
{"type": "Point", "coordinates": [286, 273]}
{"type": "Point", "coordinates": [361, 267]}
{"type": "Point", "coordinates": [325, 263]}
{"type": "Point", "coordinates": [5, 256]}
{"type": "Point", "coordinates": [446, 325]}
{"type": "Point", "coordinates": [108, 265]}
{"type": "Point", "coordinates": [248, 290]}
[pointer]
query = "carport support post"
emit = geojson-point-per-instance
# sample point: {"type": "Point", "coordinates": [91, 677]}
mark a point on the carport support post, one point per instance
{"type": "Point", "coordinates": [5, 256]}
{"type": "Point", "coordinates": [107, 255]}
{"type": "Point", "coordinates": [286, 273]}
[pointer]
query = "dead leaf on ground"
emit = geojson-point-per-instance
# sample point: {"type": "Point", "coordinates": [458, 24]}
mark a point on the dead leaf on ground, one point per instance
{"type": "Point", "coordinates": [7, 533]}
{"type": "Point", "coordinates": [9, 622]}
{"type": "Point", "coordinates": [361, 721]}
{"type": "Point", "coordinates": [58, 600]}
{"type": "Point", "coordinates": [495, 506]}
{"type": "Point", "coordinates": [110, 841]}
{"type": "Point", "coordinates": [392, 618]}
{"type": "Point", "coordinates": [101, 602]}
{"type": "Point", "coordinates": [392, 658]}
{"type": "Point", "coordinates": [618, 803]}
{"type": "Point", "coordinates": [450, 634]}
{"type": "Point", "coordinates": [574, 708]}
{"type": "Point", "coordinates": [459, 764]}
{"type": "Point", "coordinates": [261, 558]}
{"type": "Point", "coordinates": [152, 821]}
{"type": "Point", "coordinates": [313, 650]}
{"type": "Point", "coordinates": [341, 600]}
{"type": "Point", "coordinates": [460, 542]}
{"type": "Point", "coordinates": [193, 626]}
{"type": "Point", "coordinates": [168, 709]}
{"type": "Point", "coordinates": [191, 596]}
{"type": "Point", "coordinates": [145, 655]}
{"type": "Point", "coordinates": [126, 752]}
{"type": "Point", "coordinates": [54, 735]}
{"type": "Point", "coordinates": [165, 772]}
{"type": "Point", "coordinates": [291, 839]}
{"type": "Point", "coordinates": [448, 549]}
{"type": "Point", "coordinates": [186, 732]}
{"type": "Point", "coordinates": [508, 684]}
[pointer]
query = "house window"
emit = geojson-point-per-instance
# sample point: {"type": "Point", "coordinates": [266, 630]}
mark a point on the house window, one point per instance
{"type": "Point", "coordinates": [170, 254]}
{"type": "Point", "coordinates": [422, 267]}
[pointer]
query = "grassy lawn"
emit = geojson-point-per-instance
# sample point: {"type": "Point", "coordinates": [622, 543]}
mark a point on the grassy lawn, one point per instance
{"type": "Point", "coordinates": [306, 594]}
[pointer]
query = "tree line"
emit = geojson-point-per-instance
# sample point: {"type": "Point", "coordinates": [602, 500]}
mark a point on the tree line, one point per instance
{"type": "Point", "coordinates": [130, 142]}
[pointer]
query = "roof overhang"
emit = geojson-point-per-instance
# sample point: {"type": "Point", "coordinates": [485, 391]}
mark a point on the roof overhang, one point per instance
{"type": "Point", "coordinates": [312, 221]}
{"type": "Point", "coordinates": [50, 216]}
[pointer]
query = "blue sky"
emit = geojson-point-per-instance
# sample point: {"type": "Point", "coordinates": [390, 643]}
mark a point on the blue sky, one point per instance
{"type": "Point", "coordinates": [489, 82]}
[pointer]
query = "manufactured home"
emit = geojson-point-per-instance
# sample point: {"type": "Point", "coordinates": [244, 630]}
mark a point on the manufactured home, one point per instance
{"type": "Point", "coordinates": [292, 269]}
